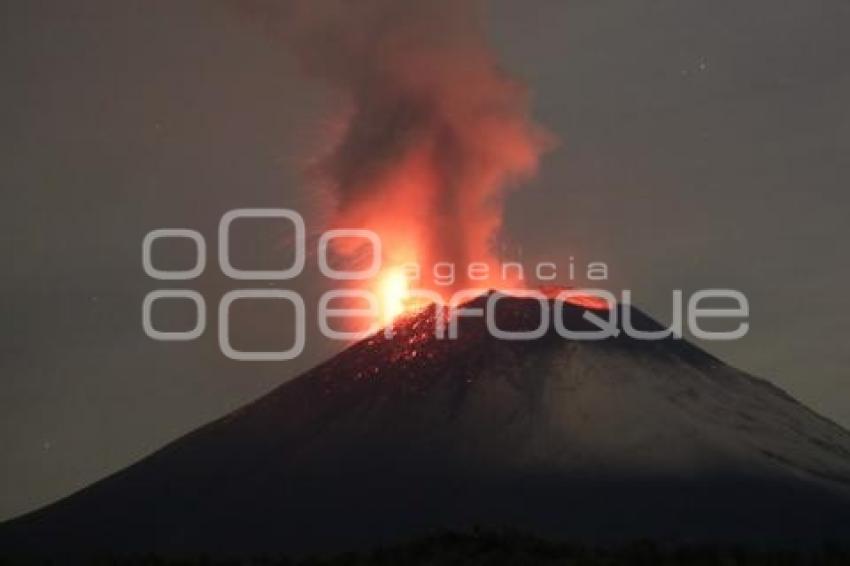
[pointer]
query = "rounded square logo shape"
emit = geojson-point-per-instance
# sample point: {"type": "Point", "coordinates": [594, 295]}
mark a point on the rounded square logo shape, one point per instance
{"type": "Point", "coordinates": [262, 274]}
{"type": "Point", "coordinates": [328, 271]}
{"type": "Point", "coordinates": [182, 275]}
{"type": "Point", "coordinates": [241, 294]}
{"type": "Point", "coordinates": [168, 336]}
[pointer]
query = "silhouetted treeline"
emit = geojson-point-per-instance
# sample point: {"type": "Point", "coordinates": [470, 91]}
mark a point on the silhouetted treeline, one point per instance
{"type": "Point", "coordinates": [514, 549]}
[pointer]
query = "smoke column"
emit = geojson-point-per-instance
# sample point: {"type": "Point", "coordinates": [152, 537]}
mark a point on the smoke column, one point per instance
{"type": "Point", "coordinates": [433, 131]}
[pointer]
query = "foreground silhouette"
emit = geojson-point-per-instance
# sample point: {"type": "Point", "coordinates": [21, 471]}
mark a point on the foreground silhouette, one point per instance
{"type": "Point", "coordinates": [508, 548]}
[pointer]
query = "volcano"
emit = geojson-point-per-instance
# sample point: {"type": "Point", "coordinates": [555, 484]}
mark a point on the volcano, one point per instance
{"type": "Point", "coordinates": [592, 441]}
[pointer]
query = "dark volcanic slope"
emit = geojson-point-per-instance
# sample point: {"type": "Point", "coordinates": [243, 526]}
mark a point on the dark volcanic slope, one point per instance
{"type": "Point", "coordinates": [597, 440]}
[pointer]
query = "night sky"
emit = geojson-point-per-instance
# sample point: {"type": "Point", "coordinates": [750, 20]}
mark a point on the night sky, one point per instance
{"type": "Point", "coordinates": [702, 143]}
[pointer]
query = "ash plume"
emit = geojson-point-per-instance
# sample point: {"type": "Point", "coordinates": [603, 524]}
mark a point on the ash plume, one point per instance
{"type": "Point", "coordinates": [433, 131]}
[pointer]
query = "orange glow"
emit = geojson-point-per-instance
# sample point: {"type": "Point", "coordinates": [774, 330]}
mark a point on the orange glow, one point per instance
{"type": "Point", "coordinates": [585, 300]}
{"type": "Point", "coordinates": [591, 302]}
{"type": "Point", "coordinates": [432, 188]}
{"type": "Point", "coordinates": [430, 136]}
{"type": "Point", "coordinates": [393, 293]}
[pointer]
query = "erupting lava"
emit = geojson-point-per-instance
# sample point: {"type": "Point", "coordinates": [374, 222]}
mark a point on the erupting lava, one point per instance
{"type": "Point", "coordinates": [432, 132]}
{"type": "Point", "coordinates": [393, 294]}
{"type": "Point", "coordinates": [578, 297]}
